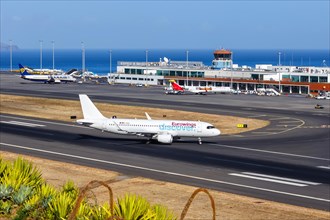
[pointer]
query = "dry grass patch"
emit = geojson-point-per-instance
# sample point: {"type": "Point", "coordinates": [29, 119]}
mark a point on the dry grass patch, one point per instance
{"type": "Point", "coordinates": [58, 109]}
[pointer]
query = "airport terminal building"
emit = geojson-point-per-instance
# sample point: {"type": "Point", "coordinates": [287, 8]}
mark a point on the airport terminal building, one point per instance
{"type": "Point", "coordinates": [285, 79]}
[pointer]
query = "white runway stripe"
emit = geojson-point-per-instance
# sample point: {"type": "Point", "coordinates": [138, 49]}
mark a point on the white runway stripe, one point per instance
{"type": "Point", "coordinates": [275, 179]}
{"type": "Point", "coordinates": [22, 123]}
{"type": "Point", "coordinates": [324, 167]}
{"type": "Point", "coordinates": [282, 178]}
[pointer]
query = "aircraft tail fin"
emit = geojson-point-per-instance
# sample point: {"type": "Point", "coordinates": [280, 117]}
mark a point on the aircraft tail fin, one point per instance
{"type": "Point", "coordinates": [148, 117]}
{"type": "Point", "coordinates": [22, 70]}
{"type": "Point", "coordinates": [176, 86]}
{"type": "Point", "coordinates": [89, 109]}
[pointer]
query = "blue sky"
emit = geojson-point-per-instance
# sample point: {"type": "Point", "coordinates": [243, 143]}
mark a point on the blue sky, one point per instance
{"type": "Point", "coordinates": [167, 24]}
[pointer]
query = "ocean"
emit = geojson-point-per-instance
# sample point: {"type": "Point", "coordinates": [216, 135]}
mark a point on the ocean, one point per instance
{"type": "Point", "coordinates": [98, 60]}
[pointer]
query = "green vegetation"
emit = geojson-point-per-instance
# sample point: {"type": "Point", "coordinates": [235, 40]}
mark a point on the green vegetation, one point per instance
{"type": "Point", "coordinates": [24, 194]}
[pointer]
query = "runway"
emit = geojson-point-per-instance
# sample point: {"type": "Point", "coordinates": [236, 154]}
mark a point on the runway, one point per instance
{"type": "Point", "coordinates": [287, 161]}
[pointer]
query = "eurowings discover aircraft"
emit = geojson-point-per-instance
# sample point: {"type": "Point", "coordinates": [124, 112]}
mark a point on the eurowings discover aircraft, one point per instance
{"type": "Point", "coordinates": [163, 131]}
{"type": "Point", "coordinates": [177, 89]}
{"type": "Point", "coordinates": [45, 78]}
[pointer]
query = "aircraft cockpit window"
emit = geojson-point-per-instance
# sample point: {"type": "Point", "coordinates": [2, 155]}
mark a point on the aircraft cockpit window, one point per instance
{"type": "Point", "coordinates": [210, 127]}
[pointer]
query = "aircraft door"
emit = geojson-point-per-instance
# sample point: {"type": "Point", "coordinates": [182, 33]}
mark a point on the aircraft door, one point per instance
{"type": "Point", "coordinates": [199, 127]}
{"type": "Point", "coordinates": [104, 125]}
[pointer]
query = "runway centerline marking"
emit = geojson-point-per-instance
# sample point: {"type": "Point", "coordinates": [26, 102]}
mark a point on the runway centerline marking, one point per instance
{"type": "Point", "coordinates": [166, 172]}
{"type": "Point", "coordinates": [46, 122]}
{"type": "Point", "coordinates": [270, 152]}
{"type": "Point", "coordinates": [256, 116]}
{"type": "Point", "coordinates": [22, 123]}
{"type": "Point", "coordinates": [250, 164]}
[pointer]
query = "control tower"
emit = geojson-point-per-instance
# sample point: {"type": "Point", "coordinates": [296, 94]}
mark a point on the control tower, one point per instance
{"type": "Point", "coordinates": [222, 59]}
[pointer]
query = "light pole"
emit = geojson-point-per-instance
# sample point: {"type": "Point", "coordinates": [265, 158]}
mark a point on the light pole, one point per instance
{"type": "Point", "coordinates": [53, 43]}
{"type": "Point", "coordinates": [146, 66]}
{"type": "Point", "coordinates": [40, 41]}
{"type": "Point", "coordinates": [110, 61]}
{"type": "Point", "coordinates": [279, 58]}
{"type": "Point", "coordinates": [279, 73]}
{"type": "Point", "coordinates": [231, 71]}
{"type": "Point", "coordinates": [187, 56]}
{"type": "Point", "coordinates": [82, 57]}
{"type": "Point", "coordinates": [11, 54]}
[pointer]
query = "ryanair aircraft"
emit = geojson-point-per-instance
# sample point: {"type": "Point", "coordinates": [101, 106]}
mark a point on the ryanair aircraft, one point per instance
{"type": "Point", "coordinates": [45, 78]}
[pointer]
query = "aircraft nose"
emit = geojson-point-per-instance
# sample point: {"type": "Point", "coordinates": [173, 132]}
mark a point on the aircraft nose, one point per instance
{"type": "Point", "coordinates": [217, 132]}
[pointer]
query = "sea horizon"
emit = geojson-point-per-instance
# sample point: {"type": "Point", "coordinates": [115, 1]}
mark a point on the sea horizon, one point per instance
{"type": "Point", "coordinates": [98, 60]}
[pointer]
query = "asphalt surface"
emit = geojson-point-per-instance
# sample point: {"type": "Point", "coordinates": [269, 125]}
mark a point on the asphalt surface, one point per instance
{"type": "Point", "coordinates": [288, 161]}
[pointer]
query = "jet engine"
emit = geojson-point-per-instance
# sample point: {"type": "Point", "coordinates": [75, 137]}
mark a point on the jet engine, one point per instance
{"type": "Point", "coordinates": [165, 138]}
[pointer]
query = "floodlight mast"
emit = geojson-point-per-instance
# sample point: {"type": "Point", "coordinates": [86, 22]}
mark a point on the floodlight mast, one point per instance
{"type": "Point", "coordinates": [53, 44]}
{"type": "Point", "coordinates": [40, 41]}
{"type": "Point", "coordinates": [11, 54]}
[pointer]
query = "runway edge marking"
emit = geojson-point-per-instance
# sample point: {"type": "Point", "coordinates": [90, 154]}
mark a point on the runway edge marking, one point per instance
{"type": "Point", "coordinates": [166, 172]}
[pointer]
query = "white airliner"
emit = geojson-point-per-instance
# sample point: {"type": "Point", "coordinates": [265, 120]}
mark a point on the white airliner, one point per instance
{"type": "Point", "coordinates": [164, 131]}
{"type": "Point", "coordinates": [45, 78]}
{"type": "Point", "coordinates": [177, 89]}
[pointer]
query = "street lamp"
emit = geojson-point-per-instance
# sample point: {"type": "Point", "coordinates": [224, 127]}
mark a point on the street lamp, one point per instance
{"type": "Point", "coordinates": [279, 58]}
{"type": "Point", "coordinates": [231, 71]}
{"type": "Point", "coordinates": [11, 54]}
{"type": "Point", "coordinates": [53, 43]}
{"type": "Point", "coordinates": [146, 66]}
{"type": "Point", "coordinates": [40, 41]}
{"type": "Point", "coordinates": [110, 61]}
{"type": "Point", "coordinates": [187, 56]}
{"type": "Point", "coordinates": [279, 73]}
{"type": "Point", "coordinates": [82, 57]}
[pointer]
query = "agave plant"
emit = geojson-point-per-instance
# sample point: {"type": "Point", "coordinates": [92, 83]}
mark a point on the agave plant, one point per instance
{"type": "Point", "coordinates": [61, 205]}
{"type": "Point", "coordinates": [5, 192]}
{"type": "Point", "coordinates": [100, 212]}
{"type": "Point", "coordinates": [161, 212]}
{"type": "Point", "coordinates": [36, 206]}
{"type": "Point", "coordinates": [25, 193]}
{"type": "Point", "coordinates": [133, 207]}
{"type": "Point", "coordinates": [84, 211]}
{"type": "Point", "coordinates": [70, 190]}
{"type": "Point", "coordinates": [22, 194]}
{"type": "Point", "coordinates": [46, 193]}
{"type": "Point", "coordinates": [5, 207]}
{"type": "Point", "coordinates": [3, 167]}
{"type": "Point", "coordinates": [21, 172]}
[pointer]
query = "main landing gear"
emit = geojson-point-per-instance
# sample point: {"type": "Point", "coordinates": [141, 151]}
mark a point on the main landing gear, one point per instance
{"type": "Point", "coordinates": [199, 141]}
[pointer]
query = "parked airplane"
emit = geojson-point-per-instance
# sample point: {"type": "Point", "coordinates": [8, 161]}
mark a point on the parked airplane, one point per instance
{"type": "Point", "coordinates": [177, 89]}
{"type": "Point", "coordinates": [45, 78]}
{"type": "Point", "coordinates": [164, 131]}
{"type": "Point", "coordinates": [43, 71]}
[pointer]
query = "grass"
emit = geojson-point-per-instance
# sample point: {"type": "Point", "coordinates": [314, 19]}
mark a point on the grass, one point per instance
{"type": "Point", "coordinates": [59, 109]}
